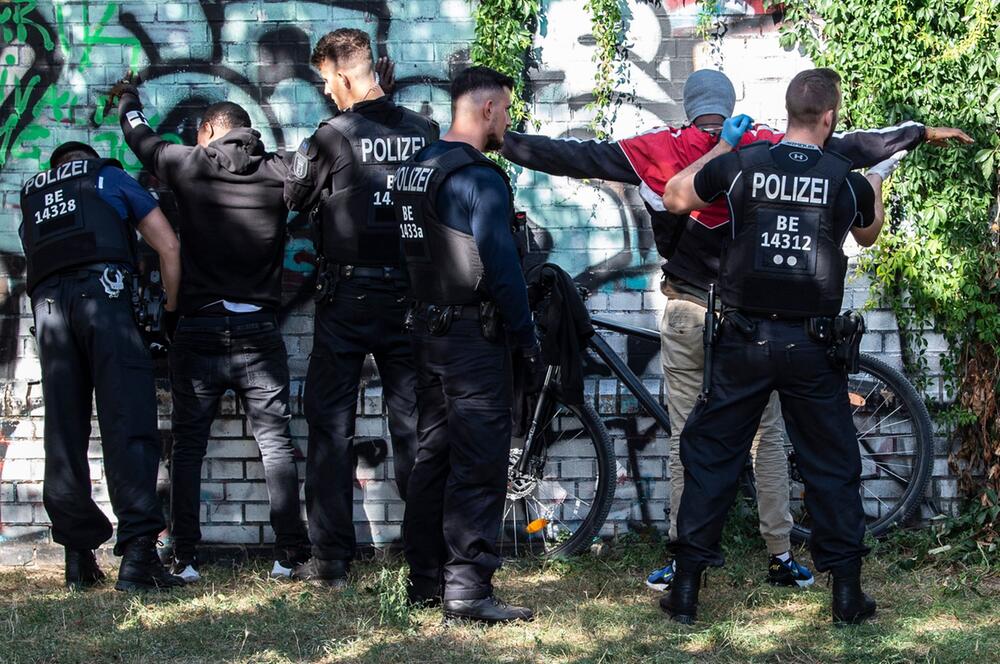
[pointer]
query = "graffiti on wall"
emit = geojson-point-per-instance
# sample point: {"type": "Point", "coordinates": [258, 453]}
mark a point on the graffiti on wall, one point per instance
{"type": "Point", "coordinates": [60, 59]}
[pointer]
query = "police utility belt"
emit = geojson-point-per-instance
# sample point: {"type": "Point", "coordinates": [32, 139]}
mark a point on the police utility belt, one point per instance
{"type": "Point", "coordinates": [439, 318]}
{"type": "Point", "coordinates": [841, 333]}
{"type": "Point", "coordinates": [331, 274]}
{"type": "Point", "coordinates": [146, 296]}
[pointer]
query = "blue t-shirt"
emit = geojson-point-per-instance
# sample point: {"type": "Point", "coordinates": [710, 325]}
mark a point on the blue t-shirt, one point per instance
{"type": "Point", "coordinates": [124, 194]}
{"type": "Point", "coordinates": [475, 200]}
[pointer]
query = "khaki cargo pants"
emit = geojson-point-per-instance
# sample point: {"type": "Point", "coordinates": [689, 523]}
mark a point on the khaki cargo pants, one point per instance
{"type": "Point", "coordinates": [683, 356]}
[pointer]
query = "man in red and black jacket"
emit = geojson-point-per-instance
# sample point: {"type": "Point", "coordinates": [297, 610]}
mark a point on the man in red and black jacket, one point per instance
{"type": "Point", "coordinates": [691, 245]}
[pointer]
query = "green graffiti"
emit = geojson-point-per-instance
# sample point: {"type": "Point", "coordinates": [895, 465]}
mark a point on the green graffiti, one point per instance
{"type": "Point", "coordinates": [93, 36]}
{"type": "Point", "coordinates": [57, 105]}
{"type": "Point", "coordinates": [15, 14]}
{"type": "Point", "coordinates": [22, 94]}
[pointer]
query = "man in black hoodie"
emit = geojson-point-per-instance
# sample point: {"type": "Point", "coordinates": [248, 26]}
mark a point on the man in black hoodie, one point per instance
{"type": "Point", "coordinates": [232, 229]}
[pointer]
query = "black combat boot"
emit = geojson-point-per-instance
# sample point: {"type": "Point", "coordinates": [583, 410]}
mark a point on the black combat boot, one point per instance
{"type": "Point", "coordinates": [485, 610]}
{"type": "Point", "coordinates": [322, 572]}
{"type": "Point", "coordinates": [851, 605]}
{"type": "Point", "coordinates": [681, 603]}
{"type": "Point", "coordinates": [141, 568]}
{"type": "Point", "coordinates": [82, 570]}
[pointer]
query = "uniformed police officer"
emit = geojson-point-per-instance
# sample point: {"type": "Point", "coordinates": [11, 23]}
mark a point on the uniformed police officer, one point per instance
{"type": "Point", "coordinates": [78, 231]}
{"type": "Point", "coordinates": [782, 285]}
{"type": "Point", "coordinates": [232, 223]}
{"type": "Point", "coordinates": [455, 213]}
{"type": "Point", "coordinates": [346, 168]}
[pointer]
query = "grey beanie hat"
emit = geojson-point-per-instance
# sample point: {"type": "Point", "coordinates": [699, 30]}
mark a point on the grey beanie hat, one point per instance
{"type": "Point", "coordinates": [708, 91]}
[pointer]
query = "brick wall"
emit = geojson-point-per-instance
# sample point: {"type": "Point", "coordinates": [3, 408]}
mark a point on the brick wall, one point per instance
{"type": "Point", "coordinates": [60, 58]}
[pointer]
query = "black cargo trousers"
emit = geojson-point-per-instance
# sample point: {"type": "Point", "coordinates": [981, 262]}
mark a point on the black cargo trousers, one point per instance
{"type": "Point", "coordinates": [88, 344]}
{"type": "Point", "coordinates": [778, 355]}
{"type": "Point", "coordinates": [362, 316]}
{"type": "Point", "coordinates": [459, 480]}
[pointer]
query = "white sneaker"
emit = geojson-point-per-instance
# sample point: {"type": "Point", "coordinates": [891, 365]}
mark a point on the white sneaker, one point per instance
{"type": "Point", "coordinates": [188, 573]}
{"type": "Point", "coordinates": [279, 571]}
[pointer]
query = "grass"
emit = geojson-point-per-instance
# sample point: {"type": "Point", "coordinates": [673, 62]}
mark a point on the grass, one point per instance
{"type": "Point", "coordinates": [590, 609]}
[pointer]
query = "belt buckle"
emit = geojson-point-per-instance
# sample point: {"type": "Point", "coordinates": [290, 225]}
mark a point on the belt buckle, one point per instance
{"type": "Point", "coordinates": [348, 270]}
{"type": "Point", "coordinates": [386, 273]}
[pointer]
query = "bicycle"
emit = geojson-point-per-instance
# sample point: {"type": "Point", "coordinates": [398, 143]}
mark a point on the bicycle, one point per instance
{"type": "Point", "coordinates": [560, 486]}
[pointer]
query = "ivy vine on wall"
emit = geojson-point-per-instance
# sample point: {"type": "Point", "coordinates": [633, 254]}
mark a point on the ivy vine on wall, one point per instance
{"type": "Point", "coordinates": [505, 30]}
{"type": "Point", "coordinates": [937, 262]}
{"type": "Point", "coordinates": [504, 33]}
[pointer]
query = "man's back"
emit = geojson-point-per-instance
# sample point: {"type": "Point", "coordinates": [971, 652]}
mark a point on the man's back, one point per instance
{"type": "Point", "coordinates": [232, 212]}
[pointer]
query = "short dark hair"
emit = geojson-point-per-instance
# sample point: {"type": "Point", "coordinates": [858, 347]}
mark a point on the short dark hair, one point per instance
{"type": "Point", "coordinates": [478, 78]}
{"type": "Point", "coordinates": [226, 115]}
{"type": "Point", "coordinates": [341, 46]}
{"type": "Point", "coordinates": [72, 151]}
{"type": "Point", "coordinates": [811, 94]}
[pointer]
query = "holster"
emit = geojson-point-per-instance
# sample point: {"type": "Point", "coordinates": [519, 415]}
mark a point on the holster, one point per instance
{"type": "Point", "coordinates": [843, 334]}
{"type": "Point", "coordinates": [490, 322]}
{"type": "Point", "coordinates": [848, 330]}
{"type": "Point", "coordinates": [326, 280]}
{"type": "Point", "coordinates": [439, 319]}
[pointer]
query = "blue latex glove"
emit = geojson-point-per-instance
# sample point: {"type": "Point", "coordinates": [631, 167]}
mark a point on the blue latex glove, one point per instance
{"type": "Point", "coordinates": [734, 128]}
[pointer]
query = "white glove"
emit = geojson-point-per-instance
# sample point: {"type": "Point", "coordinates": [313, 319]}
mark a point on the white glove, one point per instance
{"type": "Point", "coordinates": [885, 168]}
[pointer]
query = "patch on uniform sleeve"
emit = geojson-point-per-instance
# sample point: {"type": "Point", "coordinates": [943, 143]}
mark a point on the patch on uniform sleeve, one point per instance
{"type": "Point", "coordinates": [300, 165]}
{"type": "Point", "coordinates": [136, 118]}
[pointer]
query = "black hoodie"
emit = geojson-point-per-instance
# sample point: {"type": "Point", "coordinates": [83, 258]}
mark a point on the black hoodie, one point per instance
{"type": "Point", "coordinates": [232, 211]}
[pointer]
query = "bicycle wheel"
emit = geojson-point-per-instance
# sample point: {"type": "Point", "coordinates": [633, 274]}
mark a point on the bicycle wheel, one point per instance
{"type": "Point", "coordinates": [557, 506]}
{"type": "Point", "coordinates": [896, 441]}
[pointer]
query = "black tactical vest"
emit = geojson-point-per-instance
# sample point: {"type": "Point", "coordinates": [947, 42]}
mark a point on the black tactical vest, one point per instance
{"type": "Point", "coordinates": [786, 257]}
{"type": "Point", "coordinates": [359, 226]}
{"type": "Point", "coordinates": [443, 263]}
{"type": "Point", "coordinates": [66, 223]}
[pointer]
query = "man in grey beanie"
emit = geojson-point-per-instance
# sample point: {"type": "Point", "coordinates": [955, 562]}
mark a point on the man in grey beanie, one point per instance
{"type": "Point", "coordinates": [708, 92]}
{"type": "Point", "coordinates": [692, 247]}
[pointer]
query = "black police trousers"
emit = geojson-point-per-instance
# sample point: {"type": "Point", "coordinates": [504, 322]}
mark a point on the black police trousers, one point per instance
{"type": "Point", "coordinates": [715, 443]}
{"type": "Point", "coordinates": [459, 480]}
{"type": "Point", "coordinates": [362, 316]}
{"type": "Point", "coordinates": [88, 343]}
{"type": "Point", "coordinates": [244, 353]}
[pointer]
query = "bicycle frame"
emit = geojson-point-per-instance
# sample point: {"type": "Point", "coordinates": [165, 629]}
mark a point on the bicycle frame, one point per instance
{"type": "Point", "coordinates": [622, 371]}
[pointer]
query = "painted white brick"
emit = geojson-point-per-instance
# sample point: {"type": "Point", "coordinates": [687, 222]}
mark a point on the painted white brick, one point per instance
{"type": "Point", "coordinates": [246, 491]}
{"type": "Point", "coordinates": [232, 534]}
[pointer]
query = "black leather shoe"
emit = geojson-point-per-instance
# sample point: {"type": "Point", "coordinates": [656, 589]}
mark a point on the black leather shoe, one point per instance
{"type": "Point", "coordinates": [681, 602]}
{"type": "Point", "coordinates": [141, 569]}
{"type": "Point", "coordinates": [82, 570]}
{"type": "Point", "coordinates": [322, 572]}
{"type": "Point", "coordinates": [851, 606]}
{"type": "Point", "coordinates": [486, 610]}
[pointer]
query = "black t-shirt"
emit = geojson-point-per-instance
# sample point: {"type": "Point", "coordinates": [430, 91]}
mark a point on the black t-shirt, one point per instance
{"type": "Point", "coordinates": [855, 204]}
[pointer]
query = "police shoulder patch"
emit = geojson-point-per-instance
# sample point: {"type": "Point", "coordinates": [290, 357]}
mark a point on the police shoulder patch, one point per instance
{"type": "Point", "coordinates": [136, 118]}
{"type": "Point", "coordinates": [300, 166]}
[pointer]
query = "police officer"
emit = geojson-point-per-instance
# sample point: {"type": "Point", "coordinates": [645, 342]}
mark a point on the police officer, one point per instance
{"type": "Point", "coordinates": [691, 246]}
{"type": "Point", "coordinates": [781, 280]}
{"type": "Point", "coordinates": [346, 168]}
{"type": "Point", "coordinates": [455, 213]}
{"type": "Point", "coordinates": [78, 232]}
{"type": "Point", "coordinates": [232, 226]}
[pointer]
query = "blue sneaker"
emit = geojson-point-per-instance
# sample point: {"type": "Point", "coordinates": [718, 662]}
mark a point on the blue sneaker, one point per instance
{"type": "Point", "coordinates": [788, 573]}
{"type": "Point", "coordinates": [659, 580]}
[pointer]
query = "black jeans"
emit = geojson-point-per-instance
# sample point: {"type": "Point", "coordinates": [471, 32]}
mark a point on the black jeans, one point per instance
{"type": "Point", "coordinates": [459, 480]}
{"type": "Point", "coordinates": [244, 353]}
{"type": "Point", "coordinates": [363, 316]}
{"type": "Point", "coordinates": [87, 342]}
{"type": "Point", "coordinates": [716, 440]}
